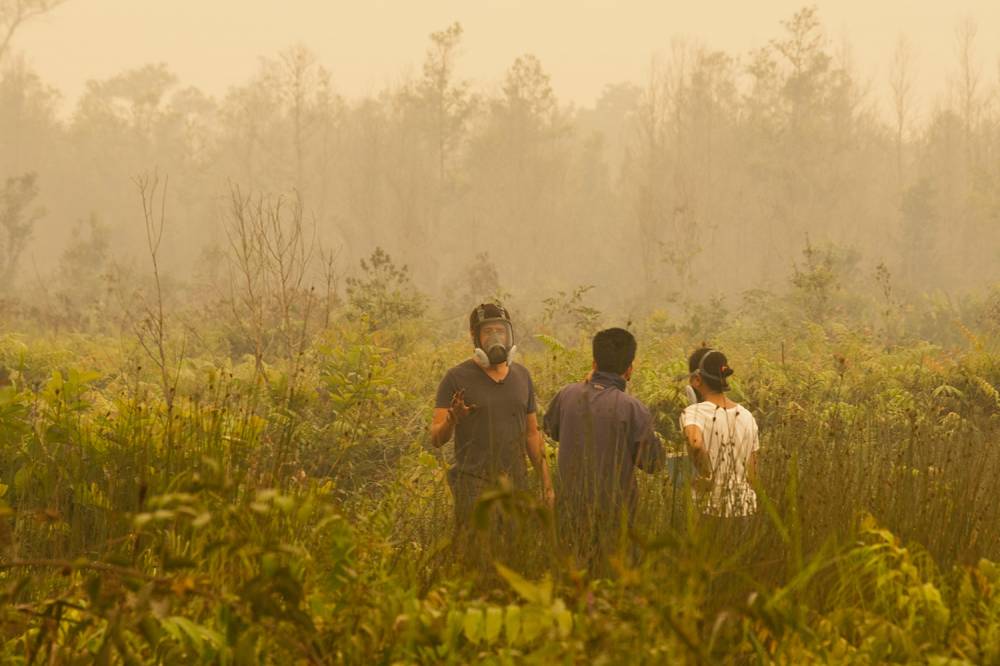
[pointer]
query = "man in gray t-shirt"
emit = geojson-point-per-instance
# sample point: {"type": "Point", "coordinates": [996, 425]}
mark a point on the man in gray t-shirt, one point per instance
{"type": "Point", "coordinates": [488, 404]}
{"type": "Point", "coordinates": [603, 435]}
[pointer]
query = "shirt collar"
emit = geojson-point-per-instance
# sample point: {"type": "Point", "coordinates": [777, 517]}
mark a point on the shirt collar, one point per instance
{"type": "Point", "coordinates": [605, 379]}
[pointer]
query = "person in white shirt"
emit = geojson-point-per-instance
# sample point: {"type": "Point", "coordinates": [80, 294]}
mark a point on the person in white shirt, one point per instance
{"type": "Point", "coordinates": [722, 440]}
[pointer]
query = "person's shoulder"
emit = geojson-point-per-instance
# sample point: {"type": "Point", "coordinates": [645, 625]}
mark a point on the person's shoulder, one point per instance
{"type": "Point", "coordinates": [570, 389]}
{"type": "Point", "coordinates": [700, 410]}
{"type": "Point", "coordinates": [461, 368]}
{"type": "Point", "coordinates": [641, 414]}
{"type": "Point", "coordinates": [519, 370]}
{"type": "Point", "coordinates": [746, 414]}
{"type": "Point", "coordinates": [636, 404]}
{"type": "Point", "coordinates": [691, 410]}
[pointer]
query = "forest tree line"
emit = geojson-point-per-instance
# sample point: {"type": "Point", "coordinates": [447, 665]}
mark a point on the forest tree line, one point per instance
{"type": "Point", "coordinates": [732, 168]}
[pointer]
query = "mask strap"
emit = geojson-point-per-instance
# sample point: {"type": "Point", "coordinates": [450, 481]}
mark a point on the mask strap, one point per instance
{"type": "Point", "coordinates": [701, 366]}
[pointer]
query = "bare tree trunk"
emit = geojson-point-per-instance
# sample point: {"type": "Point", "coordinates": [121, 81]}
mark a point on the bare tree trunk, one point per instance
{"type": "Point", "coordinates": [901, 82]}
{"type": "Point", "coordinates": [15, 13]}
{"type": "Point", "coordinates": [151, 331]}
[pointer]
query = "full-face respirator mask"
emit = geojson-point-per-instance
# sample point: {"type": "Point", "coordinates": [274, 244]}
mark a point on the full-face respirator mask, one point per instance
{"type": "Point", "coordinates": [494, 338]}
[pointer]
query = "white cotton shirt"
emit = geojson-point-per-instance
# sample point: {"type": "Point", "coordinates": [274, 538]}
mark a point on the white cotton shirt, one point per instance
{"type": "Point", "coordinates": [730, 436]}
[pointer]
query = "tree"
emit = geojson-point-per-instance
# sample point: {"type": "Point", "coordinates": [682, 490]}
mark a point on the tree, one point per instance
{"type": "Point", "coordinates": [919, 233]}
{"type": "Point", "coordinates": [29, 128]}
{"type": "Point", "coordinates": [82, 276]}
{"type": "Point", "coordinates": [446, 100]}
{"type": "Point", "coordinates": [646, 167]}
{"type": "Point", "coordinates": [305, 91]}
{"type": "Point", "coordinates": [901, 77]}
{"type": "Point", "coordinates": [611, 118]}
{"type": "Point", "coordinates": [272, 252]}
{"type": "Point", "coordinates": [519, 159]}
{"type": "Point", "coordinates": [281, 128]}
{"type": "Point", "coordinates": [121, 128]}
{"type": "Point", "coordinates": [127, 107]}
{"type": "Point", "coordinates": [15, 13]}
{"type": "Point", "coordinates": [811, 137]}
{"type": "Point", "coordinates": [968, 84]}
{"type": "Point", "coordinates": [682, 159]}
{"type": "Point", "coordinates": [977, 214]}
{"type": "Point", "coordinates": [427, 128]}
{"type": "Point", "coordinates": [703, 103]}
{"type": "Point", "coordinates": [31, 105]}
{"type": "Point", "coordinates": [383, 293]}
{"type": "Point", "coordinates": [529, 103]}
{"type": "Point", "coordinates": [18, 214]}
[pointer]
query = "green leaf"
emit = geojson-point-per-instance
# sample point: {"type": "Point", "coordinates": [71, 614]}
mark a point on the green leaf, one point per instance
{"type": "Point", "coordinates": [512, 623]}
{"type": "Point", "coordinates": [534, 621]}
{"type": "Point", "coordinates": [563, 618]}
{"type": "Point", "coordinates": [22, 478]}
{"type": "Point", "coordinates": [141, 520]}
{"type": "Point", "coordinates": [183, 631]}
{"type": "Point", "coordinates": [150, 630]}
{"type": "Point", "coordinates": [473, 624]}
{"type": "Point", "coordinates": [454, 624]}
{"type": "Point", "coordinates": [269, 564]}
{"type": "Point", "coordinates": [536, 593]}
{"type": "Point", "coordinates": [550, 342]}
{"type": "Point", "coordinates": [245, 653]}
{"type": "Point", "coordinates": [494, 623]}
{"type": "Point", "coordinates": [202, 519]}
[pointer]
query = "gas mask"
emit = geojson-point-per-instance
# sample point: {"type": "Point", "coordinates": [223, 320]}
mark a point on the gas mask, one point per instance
{"type": "Point", "coordinates": [495, 343]}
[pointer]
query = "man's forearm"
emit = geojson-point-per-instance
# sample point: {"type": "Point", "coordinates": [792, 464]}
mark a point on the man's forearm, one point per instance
{"type": "Point", "coordinates": [441, 434]}
{"type": "Point", "coordinates": [536, 453]}
{"type": "Point", "coordinates": [441, 431]}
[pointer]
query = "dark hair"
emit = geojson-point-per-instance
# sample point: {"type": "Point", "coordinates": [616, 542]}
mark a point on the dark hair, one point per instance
{"type": "Point", "coordinates": [487, 311]}
{"type": "Point", "coordinates": [614, 350]}
{"type": "Point", "coordinates": [714, 367]}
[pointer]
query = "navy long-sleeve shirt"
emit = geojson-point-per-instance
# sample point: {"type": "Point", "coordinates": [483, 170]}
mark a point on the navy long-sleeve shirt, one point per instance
{"type": "Point", "coordinates": [603, 435]}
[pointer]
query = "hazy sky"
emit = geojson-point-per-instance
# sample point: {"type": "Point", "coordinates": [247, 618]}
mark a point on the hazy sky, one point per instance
{"type": "Point", "coordinates": [583, 44]}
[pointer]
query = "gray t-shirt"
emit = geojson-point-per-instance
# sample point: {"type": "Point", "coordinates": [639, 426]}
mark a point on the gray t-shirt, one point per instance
{"type": "Point", "coordinates": [603, 435]}
{"type": "Point", "coordinates": [491, 440]}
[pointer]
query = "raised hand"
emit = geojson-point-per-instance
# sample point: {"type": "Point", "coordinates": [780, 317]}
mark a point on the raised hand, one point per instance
{"type": "Point", "coordinates": [459, 409]}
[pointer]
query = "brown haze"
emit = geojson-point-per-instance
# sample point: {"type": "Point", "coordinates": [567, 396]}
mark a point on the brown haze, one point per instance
{"type": "Point", "coordinates": [584, 44]}
{"type": "Point", "coordinates": [693, 149]}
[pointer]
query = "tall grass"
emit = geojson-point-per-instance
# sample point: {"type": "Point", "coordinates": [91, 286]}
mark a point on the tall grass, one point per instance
{"type": "Point", "coordinates": [304, 519]}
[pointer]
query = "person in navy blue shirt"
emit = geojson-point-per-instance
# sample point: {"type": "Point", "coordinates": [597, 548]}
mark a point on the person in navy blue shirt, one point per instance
{"type": "Point", "coordinates": [604, 435]}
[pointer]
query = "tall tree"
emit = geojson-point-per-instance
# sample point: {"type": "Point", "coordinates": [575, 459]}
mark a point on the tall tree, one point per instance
{"type": "Point", "coordinates": [29, 127]}
{"type": "Point", "coordinates": [15, 13]}
{"type": "Point", "coordinates": [280, 127]}
{"type": "Point", "coordinates": [968, 84]}
{"type": "Point", "coordinates": [446, 99]}
{"type": "Point", "coordinates": [518, 161]}
{"type": "Point", "coordinates": [18, 214]}
{"type": "Point", "coordinates": [901, 76]}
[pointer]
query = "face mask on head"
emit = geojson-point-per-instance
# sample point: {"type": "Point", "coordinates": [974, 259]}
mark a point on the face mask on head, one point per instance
{"type": "Point", "coordinates": [495, 345]}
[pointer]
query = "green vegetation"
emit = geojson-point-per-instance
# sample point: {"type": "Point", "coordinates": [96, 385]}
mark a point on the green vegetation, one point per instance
{"type": "Point", "coordinates": [221, 456]}
{"type": "Point", "coordinates": [229, 508]}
